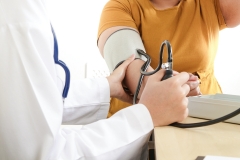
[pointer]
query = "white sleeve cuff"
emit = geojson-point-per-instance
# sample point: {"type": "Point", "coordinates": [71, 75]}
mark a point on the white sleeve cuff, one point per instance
{"type": "Point", "coordinates": [87, 101]}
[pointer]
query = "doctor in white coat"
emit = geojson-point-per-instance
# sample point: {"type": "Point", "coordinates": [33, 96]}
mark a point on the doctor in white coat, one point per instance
{"type": "Point", "coordinates": [32, 109]}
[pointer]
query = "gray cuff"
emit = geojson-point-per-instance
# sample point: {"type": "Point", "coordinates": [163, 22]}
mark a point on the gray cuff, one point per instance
{"type": "Point", "coordinates": [120, 46]}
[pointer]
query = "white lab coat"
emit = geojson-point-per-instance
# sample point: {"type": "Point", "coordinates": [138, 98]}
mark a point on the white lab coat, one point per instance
{"type": "Point", "coordinates": [31, 106]}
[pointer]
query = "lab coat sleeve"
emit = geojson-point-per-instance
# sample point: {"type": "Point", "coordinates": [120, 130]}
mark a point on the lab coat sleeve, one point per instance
{"type": "Point", "coordinates": [122, 136]}
{"type": "Point", "coordinates": [87, 101]}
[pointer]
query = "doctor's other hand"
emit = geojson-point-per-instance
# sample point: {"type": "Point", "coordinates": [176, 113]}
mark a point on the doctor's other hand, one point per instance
{"type": "Point", "coordinates": [166, 100]}
{"type": "Point", "coordinates": [115, 81]}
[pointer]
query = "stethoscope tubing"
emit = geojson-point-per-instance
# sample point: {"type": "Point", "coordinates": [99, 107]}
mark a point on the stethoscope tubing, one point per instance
{"type": "Point", "coordinates": [170, 60]}
{"type": "Point", "coordinates": [62, 64]}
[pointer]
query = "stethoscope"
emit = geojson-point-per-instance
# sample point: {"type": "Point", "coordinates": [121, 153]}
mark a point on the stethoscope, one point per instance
{"type": "Point", "coordinates": [62, 64]}
{"type": "Point", "coordinates": [169, 74]}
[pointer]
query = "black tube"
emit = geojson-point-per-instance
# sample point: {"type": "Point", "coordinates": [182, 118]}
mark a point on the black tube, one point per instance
{"type": "Point", "coordinates": [168, 75]}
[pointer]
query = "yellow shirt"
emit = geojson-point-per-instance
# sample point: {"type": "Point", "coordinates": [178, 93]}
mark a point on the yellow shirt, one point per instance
{"type": "Point", "coordinates": [192, 27]}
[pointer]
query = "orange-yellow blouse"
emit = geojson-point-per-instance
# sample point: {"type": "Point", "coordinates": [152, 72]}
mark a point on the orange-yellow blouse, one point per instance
{"type": "Point", "coordinates": [192, 27]}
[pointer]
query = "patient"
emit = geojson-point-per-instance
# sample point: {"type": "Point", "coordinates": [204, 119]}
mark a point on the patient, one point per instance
{"type": "Point", "coordinates": [192, 27]}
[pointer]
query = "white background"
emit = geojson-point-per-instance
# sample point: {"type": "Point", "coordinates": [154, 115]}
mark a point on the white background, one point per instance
{"type": "Point", "coordinates": [76, 24]}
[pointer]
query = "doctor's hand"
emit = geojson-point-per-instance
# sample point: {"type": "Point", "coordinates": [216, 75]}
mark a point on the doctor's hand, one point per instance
{"type": "Point", "coordinates": [166, 100]}
{"type": "Point", "coordinates": [115, 81]}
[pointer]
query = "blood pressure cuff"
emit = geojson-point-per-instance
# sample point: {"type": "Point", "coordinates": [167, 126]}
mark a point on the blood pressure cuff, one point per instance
{"type": "Point", "coordinates": [120, 46]}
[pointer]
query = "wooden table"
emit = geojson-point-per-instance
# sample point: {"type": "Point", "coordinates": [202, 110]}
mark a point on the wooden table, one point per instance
{"type": "Point", "coordinates": [222, 139]}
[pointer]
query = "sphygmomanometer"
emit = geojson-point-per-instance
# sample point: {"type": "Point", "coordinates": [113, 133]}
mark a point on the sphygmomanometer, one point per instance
{"type": "Point", "coordinates": [125, 42]}
{"type": "Point", "coordinates": [120, 45]}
